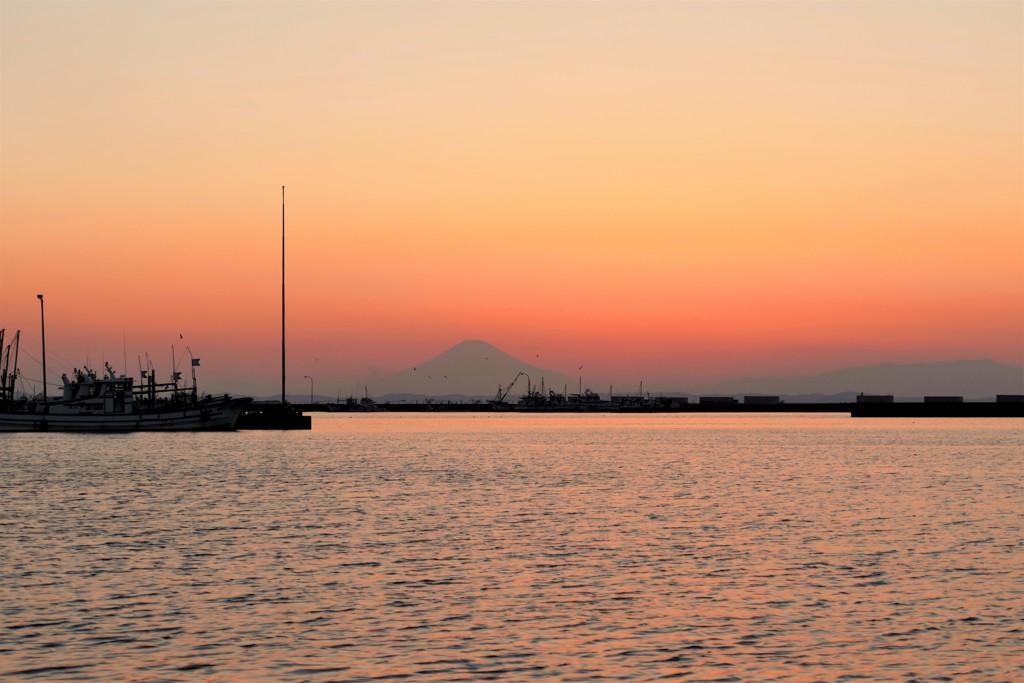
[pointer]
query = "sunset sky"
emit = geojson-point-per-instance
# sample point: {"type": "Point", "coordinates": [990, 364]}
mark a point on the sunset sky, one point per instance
{"type": "Point", "coordinates": [677, 192]}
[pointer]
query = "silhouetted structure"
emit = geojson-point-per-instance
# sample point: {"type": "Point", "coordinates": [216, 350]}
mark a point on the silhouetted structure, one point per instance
{"type": "Point", "coordinates": [762, 400]}
{"type": "Point", "coordinates": [718, 400]}
{"type": "Point", "coordinates": [874, 398]}
{"type": "Point", "coordinates": [273, 416]}
{"type": "Point", "coordinates": [281, 415]}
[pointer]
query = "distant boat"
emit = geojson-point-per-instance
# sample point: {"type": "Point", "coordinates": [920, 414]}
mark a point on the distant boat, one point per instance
{"type": "Point", "coordinates": [113, 403]}
{"type": "Point", "coordinates": [553, 402]}
{"type": "Point", "coordinates": [537, 400]}
{"type": "Point", "coordinates": [355, 405]}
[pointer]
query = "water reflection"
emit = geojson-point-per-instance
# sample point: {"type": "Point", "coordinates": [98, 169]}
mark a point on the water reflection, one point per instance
{"type": "Point", "coordinates": [575, 547]}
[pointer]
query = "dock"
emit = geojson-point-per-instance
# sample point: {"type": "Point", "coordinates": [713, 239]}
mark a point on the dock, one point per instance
{"type": "Point", "coordinates": [984, 409]}
{"type": "Point", "coordinates": [274, 416]}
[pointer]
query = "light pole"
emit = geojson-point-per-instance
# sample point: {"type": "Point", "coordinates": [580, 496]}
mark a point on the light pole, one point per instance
{"type": "Point", "coordinates": [310, 388]}
{"type": "Point", "coordinates": [42, 318]}
{"type": "Point", "coordinates": [283, 400]}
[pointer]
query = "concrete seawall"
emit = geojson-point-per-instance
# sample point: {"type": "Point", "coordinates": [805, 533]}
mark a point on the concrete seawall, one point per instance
{"type": "Point", "coordinates": [986, 409]}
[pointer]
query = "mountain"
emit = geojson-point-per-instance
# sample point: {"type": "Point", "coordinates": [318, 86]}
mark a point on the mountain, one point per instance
{"type": "Point", "coordinates": [472, 368]}
{"type": "Point", "coordinates": [967, 378]}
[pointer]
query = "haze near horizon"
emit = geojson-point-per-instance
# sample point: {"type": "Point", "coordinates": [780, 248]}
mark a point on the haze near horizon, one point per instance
{"type": "Point", "coordinates": [673, 192]}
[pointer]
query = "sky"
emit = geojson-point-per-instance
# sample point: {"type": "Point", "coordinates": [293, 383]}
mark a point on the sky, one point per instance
{"type": "Point", "coordinates": [674, 192]}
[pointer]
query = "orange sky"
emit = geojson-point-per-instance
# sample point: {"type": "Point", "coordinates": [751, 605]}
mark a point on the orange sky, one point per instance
{"type": "Point", "coordinates": [670, 191]}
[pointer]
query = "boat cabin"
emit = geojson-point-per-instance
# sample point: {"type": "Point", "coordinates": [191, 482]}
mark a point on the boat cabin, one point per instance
{"type": "Point", "coordinates": [87, 392]}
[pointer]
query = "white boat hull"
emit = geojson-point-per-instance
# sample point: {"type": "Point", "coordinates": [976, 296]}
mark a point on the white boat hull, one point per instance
{"type": "Point", "coordinates": [211, 414]}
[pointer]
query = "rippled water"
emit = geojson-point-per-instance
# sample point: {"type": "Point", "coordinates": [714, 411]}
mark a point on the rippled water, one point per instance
{"type": "Point", "coordinates": [570, 548]}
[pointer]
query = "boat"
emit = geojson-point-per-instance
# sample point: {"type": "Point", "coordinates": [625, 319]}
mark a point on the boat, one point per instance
{"type": "Point", "coordinates": [354, 405]}
{"type": "Point", "coordinates": [589, 401]}
{"type": "Point", "coordinates": [114, 403]}
{"type": "Point", "coordinates": [365, 404]}
{"type": "Point", "coordinates": [585, 401]}
{"type": "Point", "coordinates": [553, 402]}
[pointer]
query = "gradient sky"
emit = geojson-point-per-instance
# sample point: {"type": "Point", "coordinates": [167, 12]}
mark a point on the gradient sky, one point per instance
{"type": "Point", "coordinates": [676, 192]}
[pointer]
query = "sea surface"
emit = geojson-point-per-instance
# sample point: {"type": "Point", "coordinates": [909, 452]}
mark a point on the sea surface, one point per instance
{"type": "Point", "coordinates": [446, 547]}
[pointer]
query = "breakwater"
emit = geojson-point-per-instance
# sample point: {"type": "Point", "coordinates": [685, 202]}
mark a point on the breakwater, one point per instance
{"type": "Point", "coordinates": [905, 410]}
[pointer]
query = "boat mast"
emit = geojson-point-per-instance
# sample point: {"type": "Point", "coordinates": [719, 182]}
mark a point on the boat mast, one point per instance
{"type": "Point", "coordinates": [12, 375]}
{"type": "Point", "coordinates": [7, 374]}
{"type": "Point", "coordinates": [282, 296]}
{"type": "Point", "coordinates": [4, 360]}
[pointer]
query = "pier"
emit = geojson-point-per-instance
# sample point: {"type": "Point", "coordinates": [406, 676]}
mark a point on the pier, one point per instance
{"type": "Point", "coordinates": [880, 410]}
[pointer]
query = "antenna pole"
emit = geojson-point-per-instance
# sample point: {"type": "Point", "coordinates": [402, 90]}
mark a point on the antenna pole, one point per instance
{"type": "Point", "coordinates": [42, 321]}
{"type": "Point", "coordinates": [282, 296]}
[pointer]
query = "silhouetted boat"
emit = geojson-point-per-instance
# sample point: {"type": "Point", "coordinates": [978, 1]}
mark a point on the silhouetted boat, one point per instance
{"type": "Point", "coordinates": [110, 403]}
{"type": "Point", "coordinates": [537, 400]}
{"type": "Point", "coordinates": [354, 405]}
{"type": "Point", "coordinates": [552, 402]}
{"type": "Point", "coordinates": [114, 404]}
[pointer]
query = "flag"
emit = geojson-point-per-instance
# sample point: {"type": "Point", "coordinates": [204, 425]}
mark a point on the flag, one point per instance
{"type": "Point", "coordinates": [195, 362]}
{"type": "Point", "coordinates": [177, 376]}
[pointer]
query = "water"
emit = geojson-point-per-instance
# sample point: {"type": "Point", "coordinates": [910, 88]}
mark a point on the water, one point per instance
{"type": "Point", "coordinates": [513, 547]}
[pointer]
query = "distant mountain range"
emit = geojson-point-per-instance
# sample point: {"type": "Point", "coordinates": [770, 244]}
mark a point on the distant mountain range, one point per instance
{"type": "Point", "coordinates": [967, 378]}
{"type": "Point", "coordinates": [475, 370]}
{"type": "Point", "coordinates": [471, 369]}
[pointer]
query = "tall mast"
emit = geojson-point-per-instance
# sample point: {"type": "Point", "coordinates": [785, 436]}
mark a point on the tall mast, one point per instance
{"type": "Point", "coordinates": [282, 296]}
{"type": "Point", "coordinates": [42, 325]}
{"type": "Point", "coordinates": [12, 375]}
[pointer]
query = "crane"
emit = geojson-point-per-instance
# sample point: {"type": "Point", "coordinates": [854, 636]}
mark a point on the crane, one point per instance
{"type": "Point", "coordinates": [500, 396]}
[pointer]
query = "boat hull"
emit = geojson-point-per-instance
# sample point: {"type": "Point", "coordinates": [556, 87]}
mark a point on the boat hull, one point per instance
{"type": "Point", "coordinates": [208, 415]}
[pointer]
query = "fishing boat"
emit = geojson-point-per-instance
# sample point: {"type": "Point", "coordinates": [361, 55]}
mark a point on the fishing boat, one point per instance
{"type": "Point", "coordinates": [354, 405]}
{"type": "Point", "coordinates": [583, 402]}
{"type": "Point", "coordinates": [112, 403]}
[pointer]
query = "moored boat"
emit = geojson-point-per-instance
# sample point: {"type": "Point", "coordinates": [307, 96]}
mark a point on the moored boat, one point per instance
{"type": "Point", "coordinates": [113, 403]}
